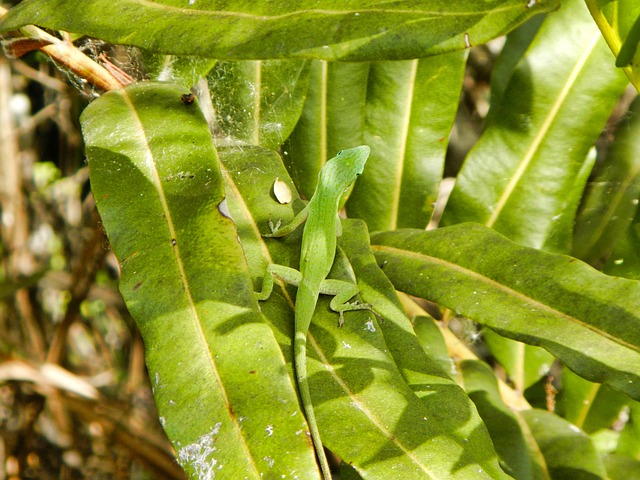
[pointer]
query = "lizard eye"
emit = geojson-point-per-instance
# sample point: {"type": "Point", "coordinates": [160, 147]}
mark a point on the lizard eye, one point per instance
{"type": "Point", "coordinates": [339, 153]}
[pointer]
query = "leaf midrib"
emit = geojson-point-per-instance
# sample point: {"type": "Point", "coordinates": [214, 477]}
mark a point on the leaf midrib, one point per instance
{"type": "Point", "coordinates": [404, 139]}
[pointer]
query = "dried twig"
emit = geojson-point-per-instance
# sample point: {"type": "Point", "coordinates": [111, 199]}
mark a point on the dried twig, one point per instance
{"type": "Point", "coordinates": [63, 53]}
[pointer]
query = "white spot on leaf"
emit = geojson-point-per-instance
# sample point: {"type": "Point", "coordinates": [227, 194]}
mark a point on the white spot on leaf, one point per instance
{"type": "Point", "coordinates": [282, 192]}
{"type": "Point", "coordinates": [223, 208]}
{"type": "Point", "coordinates": [198, 455]}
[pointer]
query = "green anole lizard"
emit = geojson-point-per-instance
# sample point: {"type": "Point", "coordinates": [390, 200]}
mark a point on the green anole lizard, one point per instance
{"type": "Point", "coordinates": [317, 254]}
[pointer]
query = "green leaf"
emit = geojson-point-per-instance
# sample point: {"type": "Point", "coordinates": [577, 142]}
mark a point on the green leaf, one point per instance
{"type": "Point", "coordinates": [516, 45]}
{"type": "Point", "coordinates": [587, 405]}
{"type": "Point", "coordinates": [611, 200]}
{"type": "Point", "coordinates": [219, 378]}
{"type": "Point", "coordinates": [347, 472]}
{"type": "Point", "coordinates": [569, 453]}
{"type": "Point", "coordinates": [561, 233]}
{"type": "Point", "coordinates": [523, 174]}
{"type": "Point", "coordinates": [259, 102]}
{"type": "Point", "coordinates": [620, 467]}
{"type": "Point", "coordinates": [403, 110]}
{"type": "Point", "coordinates": [410, 109]}
{"type": "Point", "coordinates": [361, 30]}
{"type": "Point", "coordinates": [332, 119]}
{"type": "Point", "coordinates": [432, 342]}
{"type": "Point", "coordinates": [449, 409]}
{"type": "Point", "coordinates": [372, 419]}
{"type": "Point", "coordinates": [588, 320]}
{"type": "Point", "coordinates": [625, 259]}
{"type": "Point", "coordinates": [525, 171]}
{"type": "Point", "coordinates": [605, 440]}
{"type": "Point", "coordinates": [503, 424]}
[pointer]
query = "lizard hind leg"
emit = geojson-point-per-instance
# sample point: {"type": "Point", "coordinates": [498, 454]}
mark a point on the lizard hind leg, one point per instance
{"type": "Point", "coordinates": [355, 306]}
{"type": "Point", "coordinates": [342, 292]}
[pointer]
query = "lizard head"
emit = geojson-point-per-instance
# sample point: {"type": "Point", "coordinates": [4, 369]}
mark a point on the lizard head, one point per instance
{"type": "Point", "coordinates": [342, 170]}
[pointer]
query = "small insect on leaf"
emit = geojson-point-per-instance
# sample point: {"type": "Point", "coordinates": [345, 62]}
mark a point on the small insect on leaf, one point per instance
{"type": "Point", "coordinates": [282, 192]}
{"type": "Point", "coordinates": [187, 98]}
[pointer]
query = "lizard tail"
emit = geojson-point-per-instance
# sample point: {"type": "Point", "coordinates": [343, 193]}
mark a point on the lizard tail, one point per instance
{"type": "Point", "coordinates": [300, 351]}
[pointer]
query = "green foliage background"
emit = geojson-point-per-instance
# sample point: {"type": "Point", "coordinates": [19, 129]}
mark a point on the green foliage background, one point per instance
{"type": "Point", "coordinates": [524, 261]}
